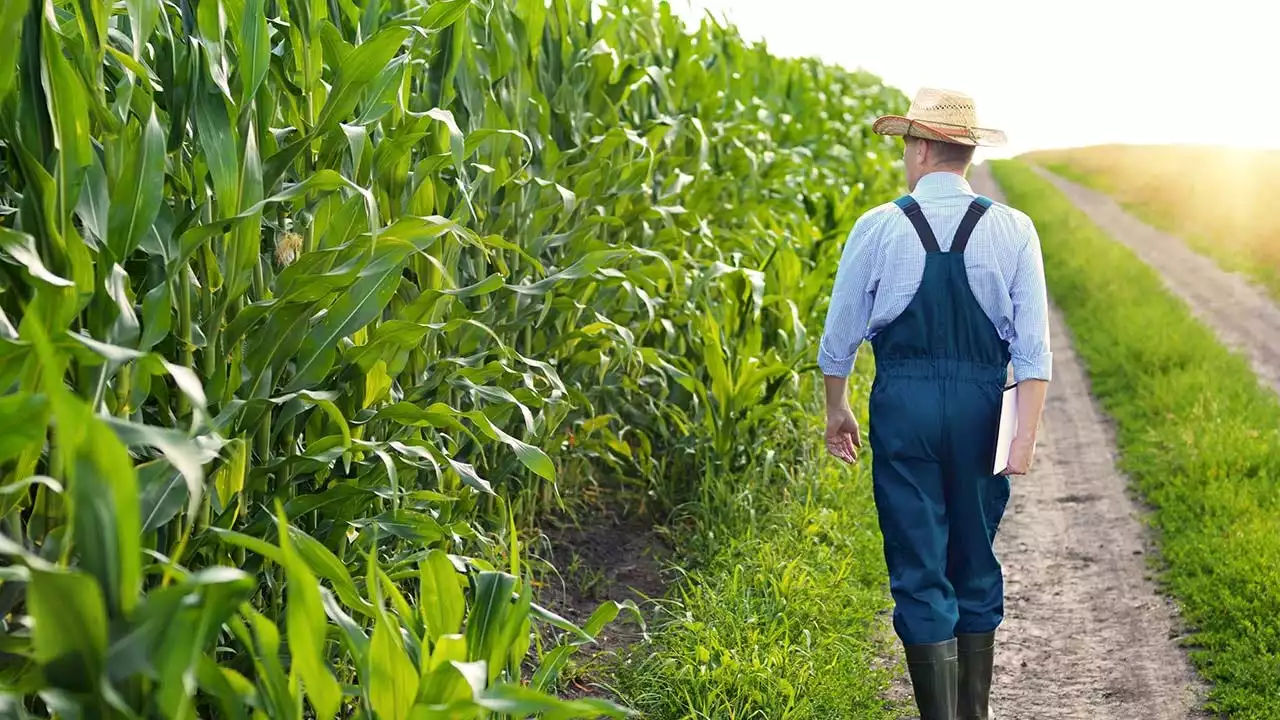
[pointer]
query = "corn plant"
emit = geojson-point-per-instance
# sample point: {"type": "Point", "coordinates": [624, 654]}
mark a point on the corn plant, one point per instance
{"type": "Point", "coordinates": [307, 308]}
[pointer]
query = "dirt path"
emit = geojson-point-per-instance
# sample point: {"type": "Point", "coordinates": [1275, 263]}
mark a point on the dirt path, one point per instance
{"type": "Point", "coordinates": [1244, 317]}
{"type": "Point", "coordinates": [1086, 633]}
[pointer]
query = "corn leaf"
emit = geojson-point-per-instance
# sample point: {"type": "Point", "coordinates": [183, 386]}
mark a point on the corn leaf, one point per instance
{"type": "Point", "coordinates": [70, 635]}
{"type": "Point", "coordinates": [307, 627]}
{"type": "Point", "coordinates": [137, 192]}
{"type": "Point", "coordinates": [442, 603]}
{"type": "Point", "coordinates": [393, 681]}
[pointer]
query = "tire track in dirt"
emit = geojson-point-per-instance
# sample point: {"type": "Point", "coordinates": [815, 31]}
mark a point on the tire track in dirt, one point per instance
{"type": "Point", "coordinates": [1086, 633]}
{"type": "Point", "coordinates": [1243, 316]}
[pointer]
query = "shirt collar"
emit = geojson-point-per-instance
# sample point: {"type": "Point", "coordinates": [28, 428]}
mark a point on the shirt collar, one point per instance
{"type": "Point", "coordinates": [941, 183]}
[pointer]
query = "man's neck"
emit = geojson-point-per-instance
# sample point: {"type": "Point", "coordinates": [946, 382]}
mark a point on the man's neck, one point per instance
{"type": "Point", "coordinates": [944, 172]}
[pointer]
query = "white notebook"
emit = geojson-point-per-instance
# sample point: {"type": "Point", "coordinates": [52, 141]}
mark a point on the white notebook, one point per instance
{"type": "Point", "coordinates": [1008, 428]}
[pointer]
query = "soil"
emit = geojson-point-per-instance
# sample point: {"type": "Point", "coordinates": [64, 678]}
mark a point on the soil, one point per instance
{"type": "Point", "coordinates": [602, 556]}
{"type": "Point", "coordinates": [1242, 314]}
{"type": "Point", "coordinates": [1087, 633]}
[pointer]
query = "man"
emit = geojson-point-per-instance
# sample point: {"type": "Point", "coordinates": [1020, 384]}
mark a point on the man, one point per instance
{"type": "Point", "coordinates": [949, 289]}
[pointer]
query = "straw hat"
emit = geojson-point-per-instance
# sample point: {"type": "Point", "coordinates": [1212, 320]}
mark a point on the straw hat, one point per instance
{"type": "Point", "coordinates": [941, 115]}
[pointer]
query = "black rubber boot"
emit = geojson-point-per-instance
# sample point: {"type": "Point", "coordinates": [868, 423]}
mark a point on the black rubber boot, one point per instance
{"type": "Point", "coordinates": [976, 653]}
{"type": "Point", "coordinates": [934, 675]}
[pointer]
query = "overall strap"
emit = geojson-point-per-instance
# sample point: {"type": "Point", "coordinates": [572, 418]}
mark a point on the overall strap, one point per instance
{"type": "Point", "coordinates": [976, 210]}
{"type": "Point", "coordinates": [909, 206]}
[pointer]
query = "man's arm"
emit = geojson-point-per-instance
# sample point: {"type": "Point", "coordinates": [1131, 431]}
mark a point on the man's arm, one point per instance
{"type": "Point", "coordinates": [1032, 359]}
{"type": "Point", "coordinates": [845, 328]}
{"type": "Point", "coordinates": [851, 299]}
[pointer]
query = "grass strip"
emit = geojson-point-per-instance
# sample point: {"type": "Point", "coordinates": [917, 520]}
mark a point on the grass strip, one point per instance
{"type": "Point", "coordinates": [1198, 437]}
{"type": "Point", "coordinates": [780, 612]}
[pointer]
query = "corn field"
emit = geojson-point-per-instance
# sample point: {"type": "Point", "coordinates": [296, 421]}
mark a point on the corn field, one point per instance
{"type": "Point", "coordinates": [309, 307]}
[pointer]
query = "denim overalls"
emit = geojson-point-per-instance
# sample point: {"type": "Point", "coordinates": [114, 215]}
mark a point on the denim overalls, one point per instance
{"type": "Point", "coordinates": [934, 408]}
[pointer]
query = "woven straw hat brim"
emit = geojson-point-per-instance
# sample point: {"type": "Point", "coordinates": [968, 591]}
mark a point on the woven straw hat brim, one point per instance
{"type": "Point", "coordinates": [940, 132]}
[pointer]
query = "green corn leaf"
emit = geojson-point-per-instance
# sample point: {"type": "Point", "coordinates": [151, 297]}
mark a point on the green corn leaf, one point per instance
{"type": "Point", "coordinates": [393, 681]}
{"type": "Point", "coordinates": [335, 46]}
{"type": "Point", "coordinates": [451, 648]}
{"type": "Point", "coordinates": [189, 385]}
{"type": "Point", "coordinates": [358, 307]}
{"type": "Point", "coordinates": [452, 682]}
{"type": "Point", "coordinates": [443, 13]}
{"type": "Point", "coordinates": [254, 50]}
{"type": "Point", "coordinates": [104, 491]}
{"type": "Point", "coordinates": [23, 486]}
{"type": "Point", "coordinates": [556, 620]}
{"type": "Point", "coordinates": [533, 14]}
{"type": "Point", "coordinates": [137, 193]}
{"type": "Point", "coordinates": [307, 627]}
{"type": "Point", "coordinates": [7, 330]}
{"type": "Point", "coordinates": [584, 267]}
{"type": "Point", "coordinates": [497, 395]}
{"type": "Point", "coordinates": [442, 602]}
{"type": "Point", "coordinates": [93, 207]}
{"type": "Point", "coordinates": [24, 419]}
{"type": "Point", "coordinates": [68, 109]}
{"type": "Point", "coordinates": [407, 524]}
{"type": "Point", "coordinates": [162, 491]}
{"type": "Point", "coordinates": [218, 146]}
{"type": "Point", "coordinates": [306, 281]}
{"type": "Point", "coordinates": [361, 66]}
{"type": "Point", "coordinates": [173, 628]}
{"type": "Point", "coordinates": [322, 561]}
{"type": "Point", "coordinates": [12, 15]}
{"type": "Point", "coordinates": [520, 701]}
{"type": "Point", "coordinates": [714, 360]}
{"type": "Point", "coordinates": [280, 697]}
{"type": "Point", "coordinates": [457, 143]}
{"type": "Point", "coordinates": [356, 639]}
{"type": "Point", "coordinates": [607, 612]}
{"type": "Point", "coordinates": [20, 248]}
{"type": "Point", "coordinates": [228, 481]}
{"type": "Point", "coordinates": [532, 457]}
{"type": "Point", "coordinates": [211, 24]}
{"type": "Point", "coordinates": [400, 605]}
{"type": "Point", "coordinates": [436, 415]}
{"type": "Point", "coordinates": [490, 608]}
{"type": "Point", "coordinates": [115, 355]}
{"type": "Point", "coordinates": [70, 634]}
{"type": "Point", "coordinates": [469, 476]}
{"type": "Point", "coordinates": [249, 542]}
{"type": "Point", "coordinates": [268, 352]}
{"type": "Point", "coordinates": [230, 694]}
{"type": "Point", "coordinates": [157, 316]}
{"type": "Point", "coordinates": [142, 21]}
{"type": "Point", "coordinates": [92, 16]}
{"type": "Point", "coordinates": [187, 455]}
{"type": "Point", "coordinates": [243, 247]}
{"type": "Point", "coordinates": [125, 330]}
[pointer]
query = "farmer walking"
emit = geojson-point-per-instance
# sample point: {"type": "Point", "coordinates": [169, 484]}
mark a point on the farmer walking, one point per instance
{"type": "Point", "coordinates": [949, 289]}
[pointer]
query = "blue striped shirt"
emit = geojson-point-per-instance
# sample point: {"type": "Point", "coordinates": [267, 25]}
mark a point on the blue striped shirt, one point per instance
{"type": "Point", "coordinates": [883, 261]}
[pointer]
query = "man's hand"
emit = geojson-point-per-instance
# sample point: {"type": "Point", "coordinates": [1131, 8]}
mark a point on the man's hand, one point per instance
{"type": "Point", "coordinates": [843, 438]}
{"type": "Point", "coordinates": [1021, 454]}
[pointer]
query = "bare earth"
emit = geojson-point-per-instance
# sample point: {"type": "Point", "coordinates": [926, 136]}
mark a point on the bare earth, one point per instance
{"type": "Point", "coordinates": [1086, 632]}
{"type": "Point", "coordinates": [1243, 316]}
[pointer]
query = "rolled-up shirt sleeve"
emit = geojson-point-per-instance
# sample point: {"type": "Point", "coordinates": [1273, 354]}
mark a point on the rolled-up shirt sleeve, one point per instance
{"type": "Point", "coordinates": [851, 301]}
{"type": "Point", "coordinates": [1029, 348]}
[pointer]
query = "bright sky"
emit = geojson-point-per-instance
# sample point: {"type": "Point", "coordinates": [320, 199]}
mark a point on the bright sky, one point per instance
{"type": "Point", "coordinates": [1052, 74]}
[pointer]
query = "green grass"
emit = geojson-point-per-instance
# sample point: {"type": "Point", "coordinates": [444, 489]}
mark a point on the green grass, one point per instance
{"type": "Point", "coordinates": [1198, 437]}
{"type": "Point", "coordinates": [780, 615]}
